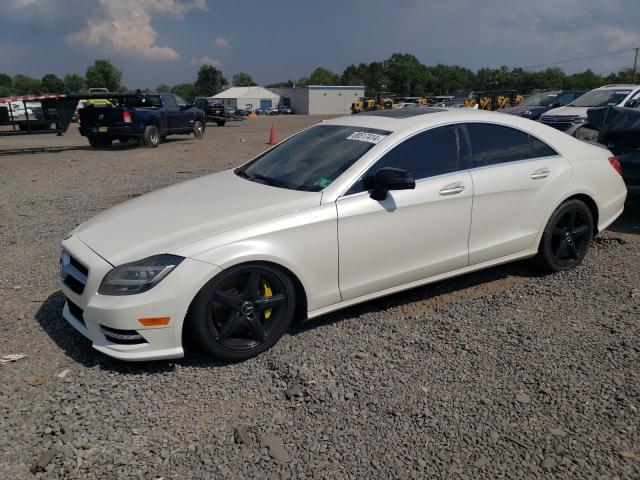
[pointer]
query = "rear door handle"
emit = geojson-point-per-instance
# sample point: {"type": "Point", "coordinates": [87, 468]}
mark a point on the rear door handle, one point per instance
{"type": "Point", "coordinates": [452, 189]}
{"type": "Point", "coordinates": [541, 173]}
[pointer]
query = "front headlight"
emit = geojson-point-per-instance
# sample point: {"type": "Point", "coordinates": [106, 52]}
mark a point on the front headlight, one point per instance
{"type": "Point", "coordinates": [140, 276]}
{"type": "Point", "coordinates": [527, 113]}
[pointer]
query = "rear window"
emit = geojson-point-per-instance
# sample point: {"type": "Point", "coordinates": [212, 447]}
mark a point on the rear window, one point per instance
{"type": "Point", "coordinates": [142, 101]}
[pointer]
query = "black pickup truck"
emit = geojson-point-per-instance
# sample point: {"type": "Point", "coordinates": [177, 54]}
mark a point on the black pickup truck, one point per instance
{"type": "Point", "coordinates": [147, 117]}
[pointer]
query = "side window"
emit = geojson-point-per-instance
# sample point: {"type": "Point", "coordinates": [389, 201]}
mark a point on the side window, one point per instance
{"type": "Point", "coordinates": [494, 144]}
{"type": "Point", "coordinates": [434, 152]}
{"type": "Point", "coordinates": [169, 102]}
{"type": "Point", "coordinates": [540, 149]}
{"type": "Point", "coordinates": [180, 101]}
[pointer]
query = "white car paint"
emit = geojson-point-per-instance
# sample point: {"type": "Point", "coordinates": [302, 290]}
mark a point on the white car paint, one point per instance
{"type": "Point", "coordinates": [343, 249]}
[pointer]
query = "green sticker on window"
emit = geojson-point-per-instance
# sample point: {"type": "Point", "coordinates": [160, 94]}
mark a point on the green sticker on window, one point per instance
{"type": "Point", "coordinates": [323, 182]}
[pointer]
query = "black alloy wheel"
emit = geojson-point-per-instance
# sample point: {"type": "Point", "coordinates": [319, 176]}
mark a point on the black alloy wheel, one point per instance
{"type": "Point", "coordinates": [567, 237]}
{"type": "Point", "coordinates": [243, 311]}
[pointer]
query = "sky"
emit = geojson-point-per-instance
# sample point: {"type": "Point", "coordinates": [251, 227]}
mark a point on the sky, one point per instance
{"type": "Point", "coordinates": [166, 41]}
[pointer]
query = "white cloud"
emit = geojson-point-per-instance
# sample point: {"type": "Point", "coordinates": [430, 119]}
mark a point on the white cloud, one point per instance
{"type": "Point", "coordinates": [205, 61]}
{"type": "Point", "coordinates": [222, 42]}
{"type": "Point", "coordinates": [126, 26]}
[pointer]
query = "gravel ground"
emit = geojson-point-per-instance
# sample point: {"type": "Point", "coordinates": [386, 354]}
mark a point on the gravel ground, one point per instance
{"type": "Point", "coordinates": [498, 374]}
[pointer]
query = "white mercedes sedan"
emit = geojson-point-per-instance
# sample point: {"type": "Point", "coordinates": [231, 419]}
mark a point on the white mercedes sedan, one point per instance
{"type": "Point", "coordinates": [343, 212]}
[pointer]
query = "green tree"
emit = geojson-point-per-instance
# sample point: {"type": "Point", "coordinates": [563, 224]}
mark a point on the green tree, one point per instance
{"type": "Point", "coordinates": [209, 81]}
{"type": "Point", "coordinates": [163, 88]}
{"type": "Point", "coordinates": [406, 74]}
{"type": "Point", "coordinates": [243, 79]}
{"type": "Point", "coordinates": [6, 81]}
{"type": "Point", "coordinates": [24, 85]}
{"type": "Point", "coordinates": [74, 83]}
{"type": "Point", "coordinates": [51, 83]}
{"type": "Point", "coordinates": [322, 76]}
{"type": "Point", "coordinates": [4, 91]}
{"type": "Point", "coordinates": [185, 90]}
{"type": "Point", "coordinates": [103, 74]}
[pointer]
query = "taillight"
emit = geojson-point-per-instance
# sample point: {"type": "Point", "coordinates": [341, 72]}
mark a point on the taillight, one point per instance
{"type": "Point", "coordinates": [78, 116]}
{"type": "Point", "coordinates": [126, 117]}
{"type": "Point", "coordinates": [615, 163]}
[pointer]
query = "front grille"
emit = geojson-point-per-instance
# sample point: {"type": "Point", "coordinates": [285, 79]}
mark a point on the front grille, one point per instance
{"type": "Point", "coordinates": [73, 273]}
{"type": "Point", "coordinates": [122, 337]}
{"type": "Point", "coordinates": [76, 311]}
{"type": "Point", "coordinates": [559, 122]}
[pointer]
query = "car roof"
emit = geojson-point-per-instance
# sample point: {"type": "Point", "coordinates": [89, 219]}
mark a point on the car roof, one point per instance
{"type": "Point", "coordinates": [424, 117]}
{"type": "Point", "coordinates": [617, 86]}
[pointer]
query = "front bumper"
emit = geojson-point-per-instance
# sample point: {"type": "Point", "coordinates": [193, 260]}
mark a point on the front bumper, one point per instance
{"type": "Point", "coordinates": [97, 316]}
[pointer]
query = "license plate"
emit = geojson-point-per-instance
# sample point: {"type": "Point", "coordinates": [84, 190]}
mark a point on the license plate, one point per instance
{"type": "Point", "coordinates": [102, 129]}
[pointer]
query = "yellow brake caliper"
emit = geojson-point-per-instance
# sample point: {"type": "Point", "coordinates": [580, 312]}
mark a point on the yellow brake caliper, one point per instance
{"type": "Point", "coordinates": [266, 292]}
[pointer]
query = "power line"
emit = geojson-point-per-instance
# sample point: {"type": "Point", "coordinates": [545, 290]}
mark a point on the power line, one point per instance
{"type": "Point", "coordinates": [589, 57]}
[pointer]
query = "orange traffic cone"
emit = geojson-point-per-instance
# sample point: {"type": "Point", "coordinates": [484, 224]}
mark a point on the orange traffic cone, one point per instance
{"type": "Point", "coordinates": [272, 136]}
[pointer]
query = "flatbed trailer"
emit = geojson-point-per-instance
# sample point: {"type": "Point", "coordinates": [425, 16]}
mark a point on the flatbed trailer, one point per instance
{"type": "Point", "coordinates": [56, 112]}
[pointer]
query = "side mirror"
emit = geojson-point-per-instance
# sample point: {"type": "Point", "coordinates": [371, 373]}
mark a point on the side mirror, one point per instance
{"type": "Point", "coordinates": [632, 103]}
{"type": "Point", "coordinates": [387, 179]}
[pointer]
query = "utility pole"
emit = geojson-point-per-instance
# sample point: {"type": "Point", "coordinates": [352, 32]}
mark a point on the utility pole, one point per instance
{"type": "Point", "coordinates": [635, 62]}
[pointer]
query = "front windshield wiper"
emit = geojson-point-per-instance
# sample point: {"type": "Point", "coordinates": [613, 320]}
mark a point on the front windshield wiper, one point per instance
{"type": "Point", "coordinates": [269, 181]}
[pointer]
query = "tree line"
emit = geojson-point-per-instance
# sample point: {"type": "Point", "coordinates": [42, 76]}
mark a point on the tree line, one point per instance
{"type": "Point", "coordinates": [401, 74]}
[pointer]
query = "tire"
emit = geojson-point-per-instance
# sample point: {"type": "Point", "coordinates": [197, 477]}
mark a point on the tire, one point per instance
{"type": "Point", "coordinates": [566, 237]}
{"type": "Point", "coordinates": [229, 317]}
{"type": "Point", "coordinates": [92, 141]}
{"type": "Point", "coordinates": [198, 129]}
{"type": "Point", "coordinates": [220, 124]}
{"type": "Point", "coordinates": [151, 137]}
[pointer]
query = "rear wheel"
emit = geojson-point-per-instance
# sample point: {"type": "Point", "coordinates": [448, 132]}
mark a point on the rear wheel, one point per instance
{"type": "Point", "coordinates": [151, 137]}
{"type": "Point", "coordinates": [243, 311]}
{"type": "Point", "coordinates": [198, 129]}
{"type": "Point", "coordinates": [566, 237]}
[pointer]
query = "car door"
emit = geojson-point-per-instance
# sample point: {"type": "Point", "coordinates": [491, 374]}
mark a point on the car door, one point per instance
{"type": "Point", "coordinates": [184, 117]}
{"type": "Point", "coordinates": [171, 107]}
{"type": "Point", "coordinates": [517, 180]}
{"type": "Point", "coordinates": [412, 234]}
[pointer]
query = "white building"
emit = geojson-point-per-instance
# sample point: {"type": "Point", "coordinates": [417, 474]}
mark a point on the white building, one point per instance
{"type": "Point", "coordinates": [248, 98]}
{"type": "Point", "coordinates": [320, 99]}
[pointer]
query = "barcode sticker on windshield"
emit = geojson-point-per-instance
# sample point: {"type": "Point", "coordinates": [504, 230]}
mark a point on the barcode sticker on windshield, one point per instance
{"type": "Point", "coordinates": [366, 137]}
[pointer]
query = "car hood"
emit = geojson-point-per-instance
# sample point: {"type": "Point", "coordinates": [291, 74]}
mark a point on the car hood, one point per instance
{"type": "Point", "coordinates": [519, 110]}
{"type": "Point", "coordinates": [161, 221]}
{"type": "Point", "coordinates": [573, 111]}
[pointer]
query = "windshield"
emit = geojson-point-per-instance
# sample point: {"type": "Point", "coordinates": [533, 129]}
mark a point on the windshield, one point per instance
{"type": "Point", "coordinates": [541, 100]}
{"type": "Point", "coordinates": [600, 98]}
{"type": "Point", "coordinates": [312, 159]}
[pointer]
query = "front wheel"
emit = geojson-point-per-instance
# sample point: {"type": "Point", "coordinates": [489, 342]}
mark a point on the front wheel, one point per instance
{"type": "Point", "coordinates": [243, 311]}
{"type": "Point", "coordinates": [198, 129]}
{"type": "Point", "coordinates": [566, 238]}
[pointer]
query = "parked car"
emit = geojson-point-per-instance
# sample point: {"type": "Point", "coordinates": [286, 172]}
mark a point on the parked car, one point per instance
{"type": "Point", "coordinates": [271, 111]}
{"type": "Point", "coordinates": [535, 105]}
{"type": "Point", "coordinates": [569, 118]}
{"type": "Point", "coordinates": [345, 211]}
{"type": "Point", "coordinates": [213, 110]}
{"type": "Point", "coordinates": [284, 110]}
{"type": "Point", "coordinates": [145, 117]}
{"type": "Point", "coordinates": [618, 129]}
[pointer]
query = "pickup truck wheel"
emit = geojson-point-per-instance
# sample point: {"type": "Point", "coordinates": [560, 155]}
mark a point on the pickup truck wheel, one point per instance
{"type": "Point", "coordinates": [151, 137]}
{"type": "Point", "coordinates": [220, 124]}
{"type": "Point", "coordinates": [198, 129]}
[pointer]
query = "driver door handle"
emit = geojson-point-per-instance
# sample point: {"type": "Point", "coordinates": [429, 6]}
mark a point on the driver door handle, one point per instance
{"type": "Point", "coordinates": [452, 189]}
{"type": "Point", "coordinates": [541, 173]}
